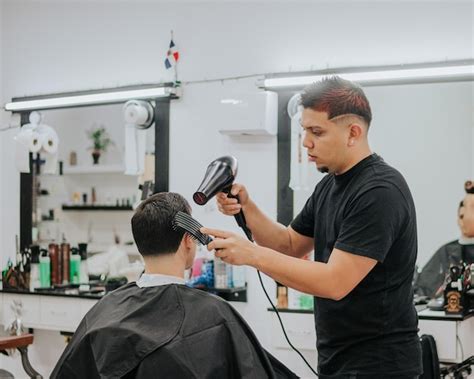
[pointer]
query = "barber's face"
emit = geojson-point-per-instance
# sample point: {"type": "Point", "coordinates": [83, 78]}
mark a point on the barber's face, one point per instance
{"type": "Point", "coordinates": [326, 141]}
{"type": "Point", "coordinates": [466, 216]}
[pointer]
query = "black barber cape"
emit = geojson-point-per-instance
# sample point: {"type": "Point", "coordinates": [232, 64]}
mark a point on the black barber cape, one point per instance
{"type": "Point", "coordinates": [167, 331]}
{"type": "Point", "coordinates": [432, 276]}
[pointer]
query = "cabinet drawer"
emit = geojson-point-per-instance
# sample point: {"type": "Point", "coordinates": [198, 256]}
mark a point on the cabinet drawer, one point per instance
{"type": "Point", "coordinates": [30, 309]}
{"type": "Point", "coordinates": [444, 333]}
{"type": "Point", "coordinates": [299, 328]}
{"type": "Point", "coordinates": [60, 313]}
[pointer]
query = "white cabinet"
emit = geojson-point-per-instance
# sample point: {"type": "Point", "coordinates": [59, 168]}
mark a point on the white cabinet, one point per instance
{"type": "Point", "coordinates": [30, 309]}
{"type": "Point", "coordinates": [454, 339]}
{"type": "Point", "coordinates": [299, 329]}
{"type": "Point", "coordinates": [46, 312]}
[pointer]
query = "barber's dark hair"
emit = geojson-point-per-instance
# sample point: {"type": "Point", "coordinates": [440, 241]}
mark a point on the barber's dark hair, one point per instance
{"type": "Point", "coordinates": [469, 186]}
{"type": "Point", "coordinates": [337, 97]}
{"type": "Point", "coordinates": [152, 223]}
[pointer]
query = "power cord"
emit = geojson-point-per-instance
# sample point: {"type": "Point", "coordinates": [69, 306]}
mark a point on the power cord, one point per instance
{"type": "Point", "coordinates": [460, 345]}
{"type": "Point", "coordinates": [282, 327]}
{"type": "Point", "coordinates": [249, 236]}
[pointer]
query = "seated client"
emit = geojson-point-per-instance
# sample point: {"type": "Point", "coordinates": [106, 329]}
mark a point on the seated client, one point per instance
{"type": "Point", "coordinates": [432, 279]}
{"type": "Point", "coordinates": [158, 327]}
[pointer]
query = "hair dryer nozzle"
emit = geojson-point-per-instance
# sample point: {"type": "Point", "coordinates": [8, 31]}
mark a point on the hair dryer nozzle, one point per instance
{"type": "Point", "coordinates": [220, 175]}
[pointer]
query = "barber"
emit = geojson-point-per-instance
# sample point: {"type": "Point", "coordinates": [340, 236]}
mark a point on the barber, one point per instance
{"type": "Point", "coordinates": [361, 223]}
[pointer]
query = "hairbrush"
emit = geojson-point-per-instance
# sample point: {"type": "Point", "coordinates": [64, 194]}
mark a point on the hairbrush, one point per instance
{"type": "Point", "coordinates": [185, 222]}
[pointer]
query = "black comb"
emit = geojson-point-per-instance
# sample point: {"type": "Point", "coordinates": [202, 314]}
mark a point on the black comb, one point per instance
{"type": "Point", "coordinates": [185, 222]}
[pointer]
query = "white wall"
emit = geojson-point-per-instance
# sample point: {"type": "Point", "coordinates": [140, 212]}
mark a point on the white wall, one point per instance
{"type": "Point", "coordinates": [56, 46]}
{"type": "Point", "coordinates": [2, 115]}
{"type": "Point", "coordinates": [1, 148]}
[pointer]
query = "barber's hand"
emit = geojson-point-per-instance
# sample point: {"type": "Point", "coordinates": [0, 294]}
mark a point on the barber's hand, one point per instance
{"type": "Point", "coordinates": [230, 206]}
{"type": "Point", "coordinates": [231, 248]}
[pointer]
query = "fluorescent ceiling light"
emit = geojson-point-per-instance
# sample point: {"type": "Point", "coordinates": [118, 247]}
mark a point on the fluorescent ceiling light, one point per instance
{"type": "Point", "coordinates": [90, 99]}
{"type": "Point", "coordinates": [380, 75]}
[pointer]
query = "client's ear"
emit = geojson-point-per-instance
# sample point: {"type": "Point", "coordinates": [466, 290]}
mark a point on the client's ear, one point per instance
{"type": "Point", "coordinates": [188, 241]}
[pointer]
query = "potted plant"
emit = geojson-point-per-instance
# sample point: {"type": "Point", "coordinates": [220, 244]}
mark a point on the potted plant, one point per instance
{"type": "Point", "coordinates": [100, 141]}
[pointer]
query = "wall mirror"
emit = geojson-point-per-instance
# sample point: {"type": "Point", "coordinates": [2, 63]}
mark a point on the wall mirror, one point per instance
{"type": "Point", "coordinates": [425, 130]}
{"type": "Point", "coordinates": [83, 198]}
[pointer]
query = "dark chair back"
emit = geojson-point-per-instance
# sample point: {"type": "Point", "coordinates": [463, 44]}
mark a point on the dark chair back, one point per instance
{"type": "Point", "coordinates": [430, 358]}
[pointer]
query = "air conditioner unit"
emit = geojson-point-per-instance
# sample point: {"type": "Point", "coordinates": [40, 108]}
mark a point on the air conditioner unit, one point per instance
{"type": "Point", "coordinates": [249, 113]}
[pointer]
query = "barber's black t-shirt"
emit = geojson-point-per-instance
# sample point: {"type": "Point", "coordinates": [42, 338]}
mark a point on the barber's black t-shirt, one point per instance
{"type": "Point", "coordinates": [367, 211]}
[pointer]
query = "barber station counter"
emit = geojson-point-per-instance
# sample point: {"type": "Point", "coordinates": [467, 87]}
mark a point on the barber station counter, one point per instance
{"type": "Point", "coordinates": [46, 310]}
{"type": "Point", "coordinates": [63, 309]}
{"type": "Point", "coordinates": [454, 334]}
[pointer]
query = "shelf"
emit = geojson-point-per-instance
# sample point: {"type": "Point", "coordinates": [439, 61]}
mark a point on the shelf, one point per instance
{"type": "Point", "coordinates": [232, 294]}
{"type": "Point", "coordinates": [98, 169]}
{"type": "Point", "coordinates": [291, 310]}
{"type": "Point", "coordinates": [229, 294]}
{"type": "Point", "coordinates": [96, 208]}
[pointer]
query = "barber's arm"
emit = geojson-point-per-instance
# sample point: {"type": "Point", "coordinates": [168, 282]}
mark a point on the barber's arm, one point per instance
{"type": "Point", "coordinates": [265, 231]}
{"type": "Point", "coordinates": [333, 280]}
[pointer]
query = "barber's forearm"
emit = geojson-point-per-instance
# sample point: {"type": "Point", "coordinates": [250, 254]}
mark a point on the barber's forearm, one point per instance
{"type": "Point", "coordinates": [314, 278]}
{"type": "Point", "coordinates": [265, 231]}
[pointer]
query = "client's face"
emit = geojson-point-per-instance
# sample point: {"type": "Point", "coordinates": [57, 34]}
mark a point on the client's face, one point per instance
{"type": "Point", "coordinates": [466, 216]}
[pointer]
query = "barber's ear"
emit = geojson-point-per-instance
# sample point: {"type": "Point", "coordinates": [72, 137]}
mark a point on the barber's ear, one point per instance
{"type": "Point", "coordinates": [355, 131]}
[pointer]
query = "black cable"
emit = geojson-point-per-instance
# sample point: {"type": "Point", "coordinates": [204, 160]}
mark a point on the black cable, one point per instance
{"type": "Point", "coordinates": [249, 236]}
{"type": "Point", "coordinates": [460, 345]}
{"type": "Point", "coordinates": [282, 327]}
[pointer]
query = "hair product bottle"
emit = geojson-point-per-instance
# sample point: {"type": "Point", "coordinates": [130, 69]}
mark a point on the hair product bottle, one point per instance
{"type": "Point", "coordinates": [35, 268]}
{"type": "Point", "coordinates": [45, 269]}
{"type": "Point", "coordinates": [84, 272]}
{"type": "Point", "coordinates": [66, 256]}
{"type": "Point", "coordinates": [75, 266]}
{"type": "Point", "coordinates": [54, 256]}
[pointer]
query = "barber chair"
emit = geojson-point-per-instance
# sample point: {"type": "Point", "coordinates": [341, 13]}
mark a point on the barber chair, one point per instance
{"type": "Point", "coordinates": [21, 344]}
{"type": "Point", "coordinates": [430, 359]}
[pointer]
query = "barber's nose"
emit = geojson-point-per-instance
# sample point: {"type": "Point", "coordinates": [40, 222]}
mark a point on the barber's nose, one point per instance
{"type": "Point", "coordinates": [306, 141]}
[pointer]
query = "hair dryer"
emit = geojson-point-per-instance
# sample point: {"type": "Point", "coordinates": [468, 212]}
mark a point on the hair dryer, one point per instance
{"type": "Point", "coordinates": [220, 175]}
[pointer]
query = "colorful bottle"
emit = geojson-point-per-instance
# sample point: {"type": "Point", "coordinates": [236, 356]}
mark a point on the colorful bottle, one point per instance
{"type": "Point", "coordinates": [65, 259]}
{"type": "Point", "coordinates": [55, 264]}
{"type": "Point", "coordinates": [84, 271]}
{"type": "Point", "coordinates": [75, 266]}
{"type": "Point", "coordinates": [45, 269]}
{"type": "Point", "coordinates": [35, 268]}
{"type": "Point", "coordinates": [222, 274]}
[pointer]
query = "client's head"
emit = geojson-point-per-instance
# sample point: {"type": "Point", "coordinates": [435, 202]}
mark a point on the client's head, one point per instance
{"type": "Point", "coordinates": [466, 216]}
{"type": "Point", "coordinates": [152, 226]}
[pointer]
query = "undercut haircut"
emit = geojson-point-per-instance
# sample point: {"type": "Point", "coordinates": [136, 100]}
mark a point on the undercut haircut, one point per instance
{"type": "Point", "coordinates": [152, 224]}
{"type": "Point", "coordinates": [337, 97]}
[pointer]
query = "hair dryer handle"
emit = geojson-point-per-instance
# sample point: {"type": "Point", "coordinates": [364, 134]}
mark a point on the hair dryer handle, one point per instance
{"type": "Point", "coordinates": [240, 218]}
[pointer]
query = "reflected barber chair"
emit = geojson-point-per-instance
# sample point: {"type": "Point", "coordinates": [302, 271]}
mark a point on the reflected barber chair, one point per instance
{"type": "Point", "coordinates": [21, 344]}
